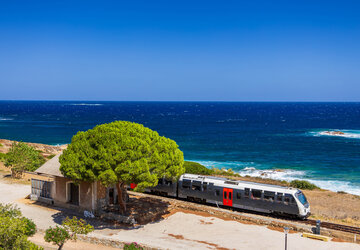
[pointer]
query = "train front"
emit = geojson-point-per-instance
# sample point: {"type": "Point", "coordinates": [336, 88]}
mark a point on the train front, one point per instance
{"type": "Point", "coordinates": [303, 204]}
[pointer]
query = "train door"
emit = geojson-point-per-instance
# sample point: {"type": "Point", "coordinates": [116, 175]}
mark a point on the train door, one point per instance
{"type": "Point", "coordinates": [227, 197]}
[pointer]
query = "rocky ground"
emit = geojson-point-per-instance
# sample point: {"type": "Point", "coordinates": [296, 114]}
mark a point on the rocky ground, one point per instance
{"type": "Point", "coordinates": [45, 150]}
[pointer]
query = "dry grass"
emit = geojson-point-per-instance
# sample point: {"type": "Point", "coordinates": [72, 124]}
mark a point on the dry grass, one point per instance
{"type": "Point", "coordinates": [334, 207]}
{"type": "Point", "coordinates": [5, 175]}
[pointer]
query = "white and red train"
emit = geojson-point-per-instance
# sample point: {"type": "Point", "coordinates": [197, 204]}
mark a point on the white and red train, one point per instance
{"type": "Point", "coordinates": [237, 194]}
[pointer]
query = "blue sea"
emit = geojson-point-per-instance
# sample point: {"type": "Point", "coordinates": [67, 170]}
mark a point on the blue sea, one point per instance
{"type": "Point", "coordinates": [256, 139]}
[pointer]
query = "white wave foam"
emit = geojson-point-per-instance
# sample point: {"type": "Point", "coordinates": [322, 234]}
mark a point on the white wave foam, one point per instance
{"type": "Point", "coordinates": [230, 164]}
{"type": "Point", "coordinates": [290, 175]}
{"type": "Point", "coordinates": [6, 119]}
{"type": "Point", "coordinates": [337, 186]}
{"type": "Point", "coordinates": [249, 169]}
{"type": "Point", "coordinates": [86, 104]}
{"type": "Point", "coordinates": [355, 134]}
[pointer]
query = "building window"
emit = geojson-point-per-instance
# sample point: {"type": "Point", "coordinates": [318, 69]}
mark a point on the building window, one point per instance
{"type": "Point", "coordinates": [41, 188]}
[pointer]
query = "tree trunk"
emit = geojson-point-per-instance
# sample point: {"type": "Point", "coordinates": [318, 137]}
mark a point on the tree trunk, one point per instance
{"type": "Point", "coordinates": [121, 196]}
{"type": "Point", "coordinates": [61, 246]}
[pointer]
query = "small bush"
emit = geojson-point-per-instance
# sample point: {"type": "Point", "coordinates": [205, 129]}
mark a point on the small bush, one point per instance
{"type": "Point", "coordinates": [68, 230]}
{"type": "Point", "coordinates": [2, 157]}
{"type": "Point", "coordinates": [50, 156]}
{"type": "Point", "coordinates": [303, 185]}
{"type": "Point", "coordinates": [224, 171]}
{"type": "Point", "coordinates": [132, 246]}
{"type": "Point", "coordinates": [57, 235]}
{"type": "Point", "coordinates": [341, 192]}
{"type": "Point", "coordinates": [15, 229]}
{"type": "Point", "coordinates": [30, 227]}
{"type": "Point", "coordinates": [196, 168]}
{"type": "Point", "coordinates": [1, 145]}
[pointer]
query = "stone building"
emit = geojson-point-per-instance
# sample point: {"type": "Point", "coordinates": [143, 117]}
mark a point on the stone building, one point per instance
{"type": "Point", "coordinates": [50, 186]}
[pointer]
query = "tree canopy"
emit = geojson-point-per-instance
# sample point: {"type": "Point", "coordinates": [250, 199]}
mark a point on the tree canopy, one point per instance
{"type": "Point", "coordinates": [23, 157]}
{"type": "Point", "coordinates": [122, 152]}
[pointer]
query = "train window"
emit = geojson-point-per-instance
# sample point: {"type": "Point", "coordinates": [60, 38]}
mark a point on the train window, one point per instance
{"type": "Point", "coordinates": [289, 199]}
{"type": "Point", "coordinates": [204, 186]}
{"type": "Point", "coordinates": [167, 182]}
{"type": "Point", "coordinates": [269, 196]}
{"type": "Point", "coordinates": [225, 195]}
{"type": "Point", "coordinates": [238, 195]}
{"type": "Point", "coordinates": [279, 197]}
{"type": "Point", "coordinates": [256, 194]}
{"type": "Point", "coordinates": [186, 184]}
{"type": "Point", "coordinates": [217, 192]}
{"type": "Point", "coordinates": [230, 196]}
{"type": "Point", "coordinates": [247, 192]}
{"type": "Point", "coordinates": [196, 186]}
{"type": "Point", "coordinates": [160, 182]}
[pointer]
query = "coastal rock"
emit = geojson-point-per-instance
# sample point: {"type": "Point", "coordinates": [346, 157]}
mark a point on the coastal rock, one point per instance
{"type": "Point", "coordinates": [46, 150]}
{"type": "Point", "coordinates": [334, 133]}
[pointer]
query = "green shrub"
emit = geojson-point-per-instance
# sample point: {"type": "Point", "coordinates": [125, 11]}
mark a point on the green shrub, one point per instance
{"type": "Point", "coordinates": [68, 230]}
{"type": "Point", "coordinates": [30, 227]}
{"type": "Point", "coordinates": [1, 145]}
{"type": "Point", "coordinates": [341, 192]}
{"type": "Point", "coordinates": [57, 235]}
{"type": "Point", "coordinates": [303, 185]}
{"type": "Point", "coordinates": [15, 229]}
{"type": "Point", "coordinates": [196, 168]}
{"type": "Point", "coordinates": [133, 246]}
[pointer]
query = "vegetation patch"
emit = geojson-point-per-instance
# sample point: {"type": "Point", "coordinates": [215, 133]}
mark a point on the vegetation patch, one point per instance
{"type": "Point", "coordinates": [50, 156]}
{"type": "Point", "coordinates": [15, 229]}
{"type": "Point", "coordinates": [68, 230]}
{"type": "Point", "coordinates": [196, 168]}
{"type": "Point", "coordinates": [132, 246]}
{"type": "Point", "coordinates": [303, 185]}
{"type": "Point", "coordinates": [22, 157]}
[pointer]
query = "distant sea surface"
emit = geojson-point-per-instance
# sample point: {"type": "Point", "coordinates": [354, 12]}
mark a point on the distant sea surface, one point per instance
{"type": "Point", "coordinates": [276, 140]}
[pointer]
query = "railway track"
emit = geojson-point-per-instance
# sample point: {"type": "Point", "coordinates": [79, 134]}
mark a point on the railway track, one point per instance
{"type": "Point", "coordinates": [333, 226]}
{"type": "Point", "coordinates": [327, 225]}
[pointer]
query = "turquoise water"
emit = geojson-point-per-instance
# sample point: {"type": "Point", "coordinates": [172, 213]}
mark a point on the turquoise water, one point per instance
{"type": "Point", "coordinates": [251, 138]}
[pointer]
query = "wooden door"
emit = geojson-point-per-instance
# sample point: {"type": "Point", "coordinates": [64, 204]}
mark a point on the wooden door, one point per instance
{"type": "Point", "coordinates": [74, 194]}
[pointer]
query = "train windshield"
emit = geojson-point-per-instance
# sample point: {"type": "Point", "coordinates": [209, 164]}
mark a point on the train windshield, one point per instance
{"type": "Point", "coordinates": [301, 198]}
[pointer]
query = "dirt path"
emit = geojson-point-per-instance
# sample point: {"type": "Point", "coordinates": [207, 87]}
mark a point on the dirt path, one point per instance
{"type": "Point", "coordinates": [38, 239]}
{"type": "Point", "coordinates": [178, 230]}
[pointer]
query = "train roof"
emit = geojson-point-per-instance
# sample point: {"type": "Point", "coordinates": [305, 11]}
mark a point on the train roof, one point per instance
{"type": "Point", "coordinates": [238, 184]}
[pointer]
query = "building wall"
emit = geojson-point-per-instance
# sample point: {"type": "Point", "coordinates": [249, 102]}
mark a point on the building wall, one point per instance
{"type": "Point", "coordinates": [92, 196]}
{"type": "Point", "coordinates": [60, 187]}
{"type": "Point", "coordinates": [86, 195]}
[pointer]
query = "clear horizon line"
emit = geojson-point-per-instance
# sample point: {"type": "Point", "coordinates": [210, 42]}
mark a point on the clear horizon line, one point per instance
{"type": "Point", "coordinates": [59, 100]}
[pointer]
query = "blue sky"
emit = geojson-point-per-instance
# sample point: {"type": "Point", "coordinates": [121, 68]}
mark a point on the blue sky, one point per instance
{"type": "Point", "coordinates": [180, 50]}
